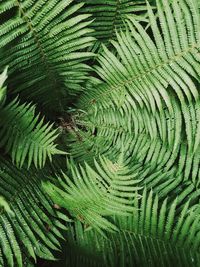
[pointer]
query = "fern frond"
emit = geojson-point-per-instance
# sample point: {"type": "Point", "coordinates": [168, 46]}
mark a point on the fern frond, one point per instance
{"type": "Point", "coordinates": [28, 229]}
{"type": "Point", "coordinates": [152, 236]}
{"type": "Point", "coordinates": [43, 42]}
{"type": "Point", "coordinates": [109, 16]}
{"type": "Point", "coordinates": [92, 194]}
{"type": "Point", "coordinates": [151, 91]}
{"type": "Point", "coordinates": [26, 136]}
{"type": "Point", "coordinates": [146, 75]}
{"type": "Point", "coordinates": [137, 204]}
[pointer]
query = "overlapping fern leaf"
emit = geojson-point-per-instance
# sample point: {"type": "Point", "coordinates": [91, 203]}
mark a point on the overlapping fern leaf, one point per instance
{"type": "Point", "coordinates": [43, 42]}
{"type": "Point", "coordinates": [148, 103]}
{"type": "Point", "coordinates": [23, 134]}
{"type": "Point", "coordinates": [29, 228]}
{"type": "Point", "coordinates": [109, 16]}
{"type": "Point", "coordinates": [151, 86]}
{"type": "Point", "coordinates": [150, 237]}
{"type": "Point", "coordinates": [91, 194]}
{"type": "Point", "coordinates": [149, 70]}
{"type": "Point", "coordinates": [138, 203]}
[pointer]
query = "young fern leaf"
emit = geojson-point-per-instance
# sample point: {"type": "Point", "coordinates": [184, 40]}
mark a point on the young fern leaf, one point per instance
{"type": "Point", "coordinates": [26, 136]}
{"type": "Point", "coordinates": [93, 194]}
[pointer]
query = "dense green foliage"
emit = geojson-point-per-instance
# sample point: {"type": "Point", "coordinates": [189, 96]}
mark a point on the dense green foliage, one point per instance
{"type": "Point", "coordinates": [100, 133]}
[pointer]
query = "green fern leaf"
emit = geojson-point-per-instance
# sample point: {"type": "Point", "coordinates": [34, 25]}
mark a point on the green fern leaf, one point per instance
{"type": "Point", "coordinates": [25, 136]}
{"type": "Point", "coordinates": [91, 194]}
{"type": "Point", "coordinates": [43, 43]}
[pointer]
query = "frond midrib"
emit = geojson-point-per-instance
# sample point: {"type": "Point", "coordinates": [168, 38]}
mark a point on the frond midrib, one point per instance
{"type": "Point", "coordinates": [114, 20]}
{"type": "Point", "coordinates": [170, 61]}
{"type": "Point", "coordinates": [34, 34]}
{"type": "Point", "coordinates": [50, 73]}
